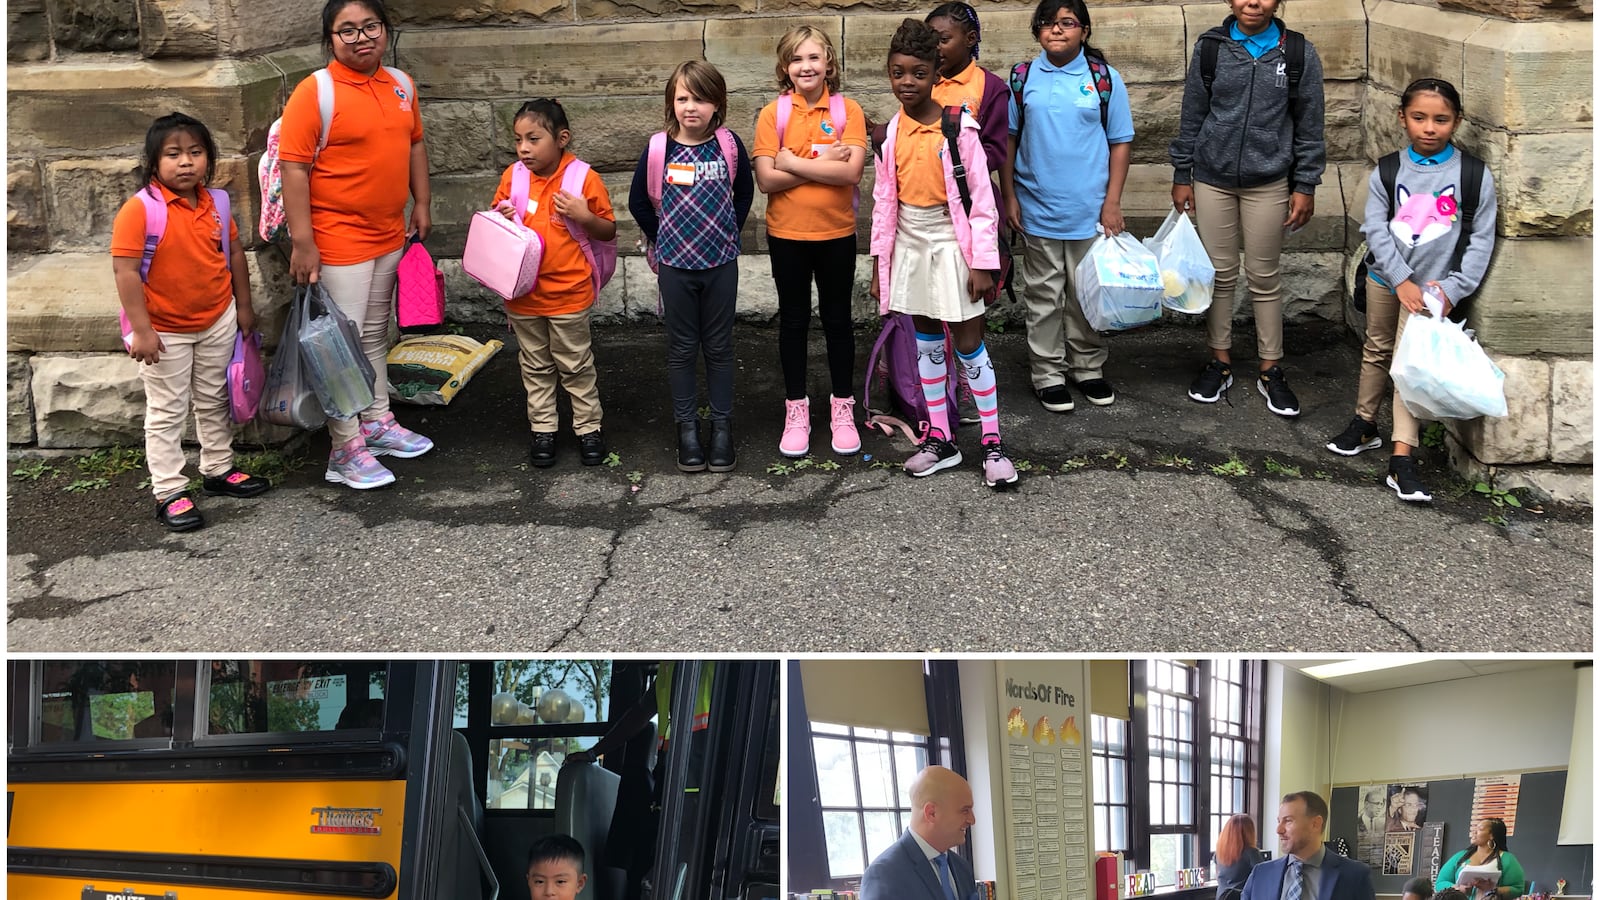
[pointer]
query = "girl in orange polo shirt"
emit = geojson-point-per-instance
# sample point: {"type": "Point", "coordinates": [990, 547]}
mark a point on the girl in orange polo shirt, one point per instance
{"type": "Point", "coordinates": [346, 213]}
{"type": "Point", "coordinates": [810, 174]}
{"type": "Point", "coordinates": [182, 315]}
{"type": "Point", "coordinates": [964, 83]}
{"type": "Point", "coordinates": [552, 321]}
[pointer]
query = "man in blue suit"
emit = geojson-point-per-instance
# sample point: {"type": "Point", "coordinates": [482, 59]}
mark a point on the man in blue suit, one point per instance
{"type": "Point", "coordinates": [921, 866]}
{"type": "Point", "coordinates": [1304, 868]}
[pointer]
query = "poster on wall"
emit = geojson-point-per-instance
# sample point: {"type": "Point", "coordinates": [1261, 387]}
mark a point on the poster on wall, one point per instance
{"type": "Point", "coordinates": [1407, 811]}
{"type": "Point", "coordinates": [1397, 853]}
{"type": "Point", "coordinates": [1372, 802]}
{"type": "Point", "coordinates": [1047, 793]}
{"type": "Point", "coordinates": [1430, 849]}
{"type": "Point", "coordinates": [1495, 797]}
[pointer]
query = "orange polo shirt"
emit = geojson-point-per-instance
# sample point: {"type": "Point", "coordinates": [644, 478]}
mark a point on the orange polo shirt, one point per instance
{"type": "Point", "coordinates": [361, 180]}
{"type": "Point", "coordinates": [918, 163]}
{"type": "Point", "coordinates": [810, 211]}
{"type": "Point", "coordinates": [965, 90]}
{"type": "Point", "coordinates": [190, 283]}
{"type": "Point", "coordinates": [565, 282]}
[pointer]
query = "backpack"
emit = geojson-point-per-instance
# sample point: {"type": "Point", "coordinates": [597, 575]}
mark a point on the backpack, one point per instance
{"type": "Point", "coordinates": [950, 125]}
{"type": "Point", "coordinates": [1472, 171]}
{"type": "Point", "coordinates": [655, 173]}
{"type": "Point", "coordinates": [602, 255]}
{"type": "Point", "coordinates": [836, 115]}
{"type": "Point", "coordinates": [247, 378]}
{"type": "Point", "coordinates": [893, 362]}
{"type": "Point", "coordinates": [1099, 73]}
{"type": "Point", "coordinates": [1292, 44]}
{"type": "Point", "coordinates": [268, 171]}
{"type": "Point", "coordinates": [155, 228]}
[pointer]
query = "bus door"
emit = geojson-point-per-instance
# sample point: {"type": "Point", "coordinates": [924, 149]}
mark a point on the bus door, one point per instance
{"type": "Point", "coordinates": [207, 780]}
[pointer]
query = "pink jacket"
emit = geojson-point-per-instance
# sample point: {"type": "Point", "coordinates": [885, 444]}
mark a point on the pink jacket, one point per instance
{"type": "Point", "coordinates": [978, 236]}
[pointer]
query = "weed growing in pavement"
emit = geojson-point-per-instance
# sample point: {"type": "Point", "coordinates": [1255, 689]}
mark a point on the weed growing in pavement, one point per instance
{"type": "Point", "coordinates": [1233, 468]}
{"type": "Point", "coordinates": [828, 465]}
{"type": "Point", "coordinates": [635, 476]}
{"type": "Point", "coordinates": [1077, 462]}
{"type": "Point", "coordinates": [1500, 498]}
{"type": "Point", "coordinates": [484, 468]}
{"type": "Point", "coordinates": [33, 470]}
{"type": "Point", "coordinates": [109, 462]}
{"type": "Point", "coordinates": [1433, 435]}
{"type": "Point", "coordinates": [270, 464]}
{"type": "Point", "coordinates": [1174, 461]}
{"type": "Point", "coordinates": [84, 485]}
{"type": "Point", "coordinates": [779, 468]}
{"type": "Point", "coordinates": [1321, 475]}
{"type": "Point", "coordinates": [1119, 459]}
{"type": "Point", "coordinates": [1274, 467]}
{"type": "Point", "coordinates": [1024, 465]}
{"type": "Point", "coordinates": [994, 326]}
{"type": "Point", "coordinates": [612, 460]}
{"type": "Point", "coordinates": [883, 464]}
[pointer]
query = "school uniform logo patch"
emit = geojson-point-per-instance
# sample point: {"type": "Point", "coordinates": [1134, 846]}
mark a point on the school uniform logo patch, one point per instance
{"type": "Point", "coordinates": [827, 127]}
{"type": "Point", "coordinates": [405, 100]}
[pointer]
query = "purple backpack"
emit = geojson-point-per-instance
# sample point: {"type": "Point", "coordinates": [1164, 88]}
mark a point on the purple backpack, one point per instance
{"type": "Point", "coordinates": [894, 363]}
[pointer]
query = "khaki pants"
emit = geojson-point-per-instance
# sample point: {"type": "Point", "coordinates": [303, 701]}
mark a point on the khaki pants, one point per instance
{"type": "Point", "coordinates": [193, 370]}
{"type": "Point", "coordinates": [1386, 321]}
{"type": "Point", "coordinates": [1060, 341]}
{"type": "Point", "coordinates": [365, 293]}
{"type": "Point", "coordinates": [552, 348]}
{"type": "Point", "coordinates": [1252, 217]}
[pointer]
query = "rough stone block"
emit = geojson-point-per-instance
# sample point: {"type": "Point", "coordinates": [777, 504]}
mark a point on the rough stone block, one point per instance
{"type": "Point", "coordinates": [83, 198]}
{"type": "Point", "coordinates": [1523, 435]}
{"type": "Point", "coordinates": [569, 62]}
{"type": "Point", "coordinates": [94, 25]}
{"type": "Point", "coordinates": [848, 6]}
{"type": "Point", "coordinates": [19, 400]}
{"type": "Point", "coordinates": [1545, 182]}
{"type": "Point", "coordinates": [87, 400]}
{"type": "Point", "coordinates": [61, 301]}
{"type": "Point", "coordinates": [1144, 43]}
{"type": "Point", "coordinates": [461, 136]}
{"type": "Point", "coordinates": [1156, 110]}
{"type": "Point", "coordinates": [27, 31]}
{"type": "Point", "coordinates": [1341, 123]}
{"type": "Point", "coordinates": [745, 49]}
{"type": "Point", "coordinates": [481, 12]}
{"type": "Point", "coordinates": [1406, 42]}
{"type": "Point", "coordinates": [455, 199]}
{"type": "Point", "coordinates": [1542, 73]}
{"type": "Point", "coordinates": [1537, 298]}
{"type": "Point", "coordinates": [1572, 411]}
{"type": "Point", "coordinates": [1521, 10]}
{"type": "Point", "coordinates": [26, 227]}
{"type": "Point", "coordinates": [185, 28]}
{"type": "Point", "coordinates": [1338, 29]}
{"type": "Point", "coordinates": [608, 133]}
{"type": "Point", "coordinates": [271, 291]}
{"type": "Point", "coordinates": [705, 10]}
{"type": "Point", "coordinates": [1549, 483]}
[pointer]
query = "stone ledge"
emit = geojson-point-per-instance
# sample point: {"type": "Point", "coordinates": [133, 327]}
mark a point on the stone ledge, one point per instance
{"type": "Point", "coordinates": [1572, 485]}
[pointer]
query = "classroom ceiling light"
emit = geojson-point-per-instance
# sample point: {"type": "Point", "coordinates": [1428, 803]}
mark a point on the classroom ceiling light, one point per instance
{"type": "Point", "coordinates": [1328, 671]}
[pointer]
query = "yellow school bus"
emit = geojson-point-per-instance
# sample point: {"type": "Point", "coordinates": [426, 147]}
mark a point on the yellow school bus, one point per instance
{"type": "Point", "coordinates": [280, 778]}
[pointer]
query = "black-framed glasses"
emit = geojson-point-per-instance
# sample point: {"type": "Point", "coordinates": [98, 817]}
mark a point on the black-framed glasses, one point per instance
{"type": "Point", "coordinates": [350, 34]}
{"type": "Point", "coordinates": [1066, 24]}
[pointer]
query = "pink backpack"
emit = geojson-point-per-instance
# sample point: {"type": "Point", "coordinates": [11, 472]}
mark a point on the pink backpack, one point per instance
{"type": "Point", "coordinates": [155, 228]}
{"type": "Point", "coordinates": [247, 378]}
{"type": "Point", "coordinates": [419, 300]}
{"type": "Point", "coordinates": [655, 173]}
{"type": "Point", "coordinates": [602, 255]}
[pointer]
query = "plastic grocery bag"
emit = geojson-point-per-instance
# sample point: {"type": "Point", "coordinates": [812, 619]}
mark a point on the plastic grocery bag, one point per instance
{"type": "Point", "coordinates": [1187, 275]}
{"type": "Point", "coordinates": [1441, 373]}
{"type": "Point", "coordinates": [331, 347]}
{"type": "Point", "coordinates": [288, 398]}
{"type": "Point", "coordinates": [1119, 284]}
{"type": "Point", "coordinates": [431, 369]}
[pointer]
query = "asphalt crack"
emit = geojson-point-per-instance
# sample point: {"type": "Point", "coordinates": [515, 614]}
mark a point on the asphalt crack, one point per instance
{"type": "Point", "coordinates": [49, 606]}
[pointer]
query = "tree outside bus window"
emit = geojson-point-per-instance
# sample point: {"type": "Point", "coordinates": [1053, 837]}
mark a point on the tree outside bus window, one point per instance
{"type": "Point", "coordinates": [529, 696]}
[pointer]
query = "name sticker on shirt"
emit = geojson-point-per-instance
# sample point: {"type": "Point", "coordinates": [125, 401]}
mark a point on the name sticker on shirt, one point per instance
{"type": "Point", "coordinates": [533, 206]}
{"type": "Point", "coordinates": [680, 174]}
{"type": "Point", "coordinates": [819, 149]}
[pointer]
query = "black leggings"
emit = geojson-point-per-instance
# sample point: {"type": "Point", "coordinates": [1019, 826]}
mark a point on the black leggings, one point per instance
{"type": "Point", "coordinates": [698, 307]}
{"type": "Point", "coordinates": [832, 263]}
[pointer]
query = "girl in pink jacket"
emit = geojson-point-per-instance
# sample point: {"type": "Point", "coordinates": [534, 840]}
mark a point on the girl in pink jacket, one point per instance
{"type": "Point", "coordinates": [936, 261]}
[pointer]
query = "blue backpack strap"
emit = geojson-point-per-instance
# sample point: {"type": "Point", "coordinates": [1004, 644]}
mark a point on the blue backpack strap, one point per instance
{"type": "Point", "coordinates": [1018, 81]}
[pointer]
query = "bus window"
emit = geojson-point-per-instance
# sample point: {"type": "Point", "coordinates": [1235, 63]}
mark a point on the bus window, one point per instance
{"type": "Point", "coordinates": [539, 711]}
{"type": "Point", "coordinates": [279, 696]}
{"type": "Point", "coordinates": [105, 701]}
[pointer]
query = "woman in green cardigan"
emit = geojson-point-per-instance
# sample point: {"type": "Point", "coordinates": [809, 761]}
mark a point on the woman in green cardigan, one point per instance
{"type": "Point", "coordinates": [1488, 850]}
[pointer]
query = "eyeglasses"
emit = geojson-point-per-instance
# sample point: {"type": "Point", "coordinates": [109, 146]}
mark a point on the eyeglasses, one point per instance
{"type": "Point", "coordinates": [351, 34]}
{"type": "Point", "coordinates": [1060, 25]}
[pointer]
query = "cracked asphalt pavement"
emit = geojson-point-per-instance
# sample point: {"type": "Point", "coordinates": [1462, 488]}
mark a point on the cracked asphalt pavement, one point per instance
{"type": "Point", "coordinates": [1120, 537]}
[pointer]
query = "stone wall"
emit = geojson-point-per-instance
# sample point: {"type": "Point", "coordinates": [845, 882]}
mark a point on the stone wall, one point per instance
{"type": "Point", "coordinates": [86, 76]}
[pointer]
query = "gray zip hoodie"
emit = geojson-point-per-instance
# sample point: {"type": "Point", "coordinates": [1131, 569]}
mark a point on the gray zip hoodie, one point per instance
{"type": "Point", "coordinates": [1241, 135]}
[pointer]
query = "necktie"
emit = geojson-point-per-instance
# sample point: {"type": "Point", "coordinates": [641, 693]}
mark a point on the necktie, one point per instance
{"type": "Point", "coordinates": [1296, 887]}
{"type": "Point", "coordinates": [944, 876]}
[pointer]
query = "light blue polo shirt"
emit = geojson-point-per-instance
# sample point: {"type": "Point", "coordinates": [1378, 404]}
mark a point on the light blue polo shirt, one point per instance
{"type": "Point", "coordinates": [1063, 162]}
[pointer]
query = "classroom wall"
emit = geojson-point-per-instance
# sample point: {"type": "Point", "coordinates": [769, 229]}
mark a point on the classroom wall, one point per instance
{"type": "Point", "coordinates": [1295, 740]}
{"type": "Point", "coordinates": [1417, 732]}
{"type": "Point", "coordinates": [981, 727]}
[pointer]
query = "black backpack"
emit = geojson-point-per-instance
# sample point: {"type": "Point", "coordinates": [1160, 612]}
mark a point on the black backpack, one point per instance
{"type": "Point", "coordinates": [1292, 44]}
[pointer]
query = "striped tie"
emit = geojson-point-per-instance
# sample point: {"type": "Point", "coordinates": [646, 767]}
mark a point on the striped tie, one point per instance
{"type": "Point", "coordinates": [1296, 888]}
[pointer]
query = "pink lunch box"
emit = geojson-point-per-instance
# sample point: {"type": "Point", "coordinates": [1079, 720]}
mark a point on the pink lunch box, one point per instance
{"type": "Point", "coordinates": [502, 255]}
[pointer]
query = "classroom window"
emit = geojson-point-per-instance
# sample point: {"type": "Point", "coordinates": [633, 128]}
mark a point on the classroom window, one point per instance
{"type": "Point", "coordinates": [864, 783]}
{"type": "Point", "coordinates": [1172, 697]}
{"type": "Point", "coordinates": [1234, 754]}
{"type": "Point", "coordinates": [1109, 745]}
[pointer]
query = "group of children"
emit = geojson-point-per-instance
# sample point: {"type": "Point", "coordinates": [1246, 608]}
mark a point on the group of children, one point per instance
{"type": "Point", "coordinates": [1247, 160]}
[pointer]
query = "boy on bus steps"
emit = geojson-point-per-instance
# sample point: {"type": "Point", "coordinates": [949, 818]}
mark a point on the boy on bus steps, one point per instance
{"type": "Point", "coordinates": [555, 868]}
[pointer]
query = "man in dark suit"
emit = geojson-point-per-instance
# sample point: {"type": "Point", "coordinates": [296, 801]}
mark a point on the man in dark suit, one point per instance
{"type": "Point", "coordinates": [1304, 868]}
{"type": "Point", "coordinates": [920, 865]}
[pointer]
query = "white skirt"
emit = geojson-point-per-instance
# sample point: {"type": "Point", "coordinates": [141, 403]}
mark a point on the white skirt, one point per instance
{"type": "Point", "coordinates": [928, 275]}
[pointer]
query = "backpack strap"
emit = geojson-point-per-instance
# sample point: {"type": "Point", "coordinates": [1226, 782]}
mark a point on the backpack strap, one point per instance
{"type": "Point", "coordinates": [324, 80]}
{"type": "Point", "coordinates": [1293, 47]}
{"type": "Point", "coordinates": [785, 109]}
{"type": "Point", "coordinates": [1100, 74]}
{"type": "Point", "coordinates": [521, 178]}
{"type": "Point", "coordinates": [1018, 81]}
{"type": "Point", "coordinates": [224, 205]}
{"type": "Point", "coordinates": [572, 180]}
{"type": "Point", "coordinates": [950, 125]}
{"type": "Point", "coordinates": [655, 167]}
{"type": "Point", "coordinates": [1472, 170]}
{"type": "Point", "coordinates": [730, 151]}
{"type": "Point", "coordinates": [1388, 173]}
{"type": "Point", "coordinates": [1208, 62]}
{"type": "Point", "coordinates": [155, 227]}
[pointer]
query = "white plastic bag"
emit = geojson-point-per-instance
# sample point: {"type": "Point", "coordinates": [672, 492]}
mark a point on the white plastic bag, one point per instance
{"type": "Point", "coordinates": [1119, 284]}
{"type": "Point", "coordinates": [1187, 275]}
{"type": "Point", "coordinates": [1441, 373]}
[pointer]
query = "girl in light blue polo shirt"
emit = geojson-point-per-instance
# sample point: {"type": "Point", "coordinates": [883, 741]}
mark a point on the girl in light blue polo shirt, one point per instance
{"type": "Point", "coordinates": [1073, 106]}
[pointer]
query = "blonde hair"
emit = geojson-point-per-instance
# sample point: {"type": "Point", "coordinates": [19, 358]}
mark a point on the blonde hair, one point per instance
{"type": "Point", "coordinates": [702, 80]}
{"type": "Point", "coordinates": [789, 45]}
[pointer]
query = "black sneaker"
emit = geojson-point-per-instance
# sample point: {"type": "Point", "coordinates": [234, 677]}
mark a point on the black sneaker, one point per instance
{"type": "Point", "coordinates": [1055, 398]}
{"type": "Point", "coordinates": [1274, 386]}
{"type": "Point", "coordinates": [1215, 378]}
{"type": "Point", "coordinates": [543, 454]}
{"type": "Point", "coordinates": [934, 454]}
{"type": "Point", "coordinates": [591, 448]}
{"type": "Point", "coordinates": [1404, 481]}
{"type": "Point", "coordinates": [1359, 435]}
{"type": "Point", "coordinates": [1098, 391]}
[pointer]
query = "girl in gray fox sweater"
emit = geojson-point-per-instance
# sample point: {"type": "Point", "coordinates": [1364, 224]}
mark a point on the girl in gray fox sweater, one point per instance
{"type": "Point", "coordinates": [1426, 236]}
